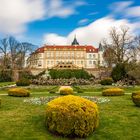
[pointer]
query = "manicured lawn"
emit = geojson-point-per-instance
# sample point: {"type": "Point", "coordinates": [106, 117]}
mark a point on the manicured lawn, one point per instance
{"type": "Point", "coordinates": [119, 118]}
{"type": "Point", "coordinates": [6, 83]}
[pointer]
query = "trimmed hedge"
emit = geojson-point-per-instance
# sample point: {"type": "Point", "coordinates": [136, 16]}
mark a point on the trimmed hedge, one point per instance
{"type": "Point", "coordinates": [18, 92]}
{"type": "Point", "coordinates": [136, 98]}
{"type": "Point", "coordinates": [113, 92]}
{"type": "Point", "coordinates": [78, 89]}
{"type": "Point", "coordinates": [69, 73]}
{"type": "Point", "coordinates": [106, 81]}
{"type": "Point", "coordinates": [66, 90]}
{"type": "Point", "coordinates": [23, 82]}
{"type": "Point", "coordinates": [72, 116]}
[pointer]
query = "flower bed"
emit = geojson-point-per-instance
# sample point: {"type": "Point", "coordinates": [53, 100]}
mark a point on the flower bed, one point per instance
{"type": "Point", "coordinates": [45, 100]}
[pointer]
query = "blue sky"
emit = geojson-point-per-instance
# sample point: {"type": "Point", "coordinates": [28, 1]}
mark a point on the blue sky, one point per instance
{"type": "Point", "coordinates": [57, 21]}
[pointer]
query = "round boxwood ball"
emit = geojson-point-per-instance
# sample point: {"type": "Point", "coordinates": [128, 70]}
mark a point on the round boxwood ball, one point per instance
{"type": "Point", "coordinates": [72, 116]}
{"type": "Point", "coordinates": [136, 98]}
{"type": "Point", "coordinates": [66, 90]}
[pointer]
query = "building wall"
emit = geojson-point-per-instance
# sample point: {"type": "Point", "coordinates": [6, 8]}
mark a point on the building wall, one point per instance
{"type": "Point", "coordinates": [91, 60]}
{"type": "Point", "coordinates": [50, 57]}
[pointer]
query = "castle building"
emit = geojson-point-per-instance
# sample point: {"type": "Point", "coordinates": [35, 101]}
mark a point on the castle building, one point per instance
{"type": "Point", "coordinates": [74, 56]}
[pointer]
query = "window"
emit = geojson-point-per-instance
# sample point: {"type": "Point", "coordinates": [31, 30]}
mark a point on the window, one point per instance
{"type": "Point", "coordinates": [39, 64]}
{"type": "Point", "coordinates": [57, 54]}
{"type": "Point", "coordinates": [72, 54]}
{"type": "Point", "coordinates": [48, 54]}
{"type": "Point", "coordinates": [94, 62]}
{"type": "Point", "coordinates": [77, 62]}
{"type": "Point", "coordinates": [81, 62]}
{"type": "Point", "coordinates": [99, 56]}
{"type": "Point", "coordinates": [51, 54]}
{"type": "Point", "coordinates": [93, 55]}
{"type": "Point", "coordinates": [90, 62]}
{"type": "Point", "coordinates": [78, 54]}
{"type": "Point", "coordinates": [48, 62]}
{"type": "Point", "coordinates": [82, 54]}
{"type": "Point", "coordinates": [39, 55]}
{"type": "Point", "coordinates": [90, 56]}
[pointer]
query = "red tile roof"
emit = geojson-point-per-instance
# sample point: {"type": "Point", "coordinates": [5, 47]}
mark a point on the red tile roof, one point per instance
{"type": "Point", "coordinates": [89, 49]}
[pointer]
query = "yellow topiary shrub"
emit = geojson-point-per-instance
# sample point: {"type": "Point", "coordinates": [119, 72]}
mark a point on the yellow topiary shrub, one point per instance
{"type": "Point", "coordinates": [113, 92]}
{"type": "Point", "coordinates": [72, 116]}
{"type": "Point", "coordinates": [18, 92]}
{"type": "Point", "coordinates": [136, 98]}
{"type": "Point", "coordinates": [66, 90]}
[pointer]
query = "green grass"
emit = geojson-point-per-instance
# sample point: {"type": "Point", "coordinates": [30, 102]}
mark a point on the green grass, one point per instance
{"type": "Point", "coordinates": [119, 119]}
{"type": "Point", "coordinates": [6, 83]}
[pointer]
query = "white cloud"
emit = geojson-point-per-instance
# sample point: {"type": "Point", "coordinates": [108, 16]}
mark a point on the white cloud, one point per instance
{"type": "Point", "coordinates": [57, 8]}
{"type": "Point", "coordinates": [118, 7]}
{"type": "Point", "coordinates": [54, 39]}
{"type": "Point", "coordinates": [83, 21]}
{"type": "Point", "coordinates": [125, 8]}
{"type": "Point", "coordinates": [93, 13]}
{"type": "Point", "coordinates": [91, 34]}
{"type": "Point", "coordinates": [16, 14]}
{"type": "Point", "coordinates": [133, 11]}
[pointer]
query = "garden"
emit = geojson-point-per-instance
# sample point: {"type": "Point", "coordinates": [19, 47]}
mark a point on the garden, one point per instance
{"type": "Point", "coordinates": [39, 112]}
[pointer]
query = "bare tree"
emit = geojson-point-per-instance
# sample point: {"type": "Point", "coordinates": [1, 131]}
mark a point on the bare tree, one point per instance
{"type": "Point", "coordinates": [118, 46]}
{"type": "Point", "coordinates": [13, 52]}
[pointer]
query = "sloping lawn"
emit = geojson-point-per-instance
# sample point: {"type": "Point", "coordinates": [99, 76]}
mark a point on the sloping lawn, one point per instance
{"type": "Point", "coordinates": [119, 119]}
{"type": "Point", "coordinates": [6, 83]}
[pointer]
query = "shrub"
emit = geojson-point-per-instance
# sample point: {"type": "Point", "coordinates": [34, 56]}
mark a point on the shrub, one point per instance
{"type": "Point", "coordinates": [26, 74]}
{"type": "Point", "coordinates": [66, 90]}
{"type": "Point", "coordinates": [18, 92]}
{"type": "Point", "coordinates": [5, 76]}
{"type": "Point", "coordinates": [106, 81]}
{"type": "Point", "coordinates": [78, 89]}
{"type": "Point", "coordinates": [136, 98]}
{"type": "Point", "coordinates": [113, 92]}
{"type": "Point", "coordinates": [0, 102]}
{"type": "Point", "coordinates": [72, 116]}
{"type": "Point", "coordinates": [23, 82]}
{"type": "Point", "coordinates": [53, 90]}
{"type": "Point", "coordinates": [69, 73]}
{"type": "Point", "coordinates": [119, 72]}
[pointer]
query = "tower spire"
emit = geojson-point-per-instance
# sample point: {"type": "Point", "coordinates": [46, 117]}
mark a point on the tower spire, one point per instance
{"type": "Point", "coordinates": [75, 42]}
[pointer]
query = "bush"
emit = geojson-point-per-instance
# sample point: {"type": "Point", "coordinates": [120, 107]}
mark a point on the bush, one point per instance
{"type": "Point", "coordinates": [72, 116]}
{"type": "Point", "coordinates": [0, 102]}
{"type": "Point", "coordinates": [66, 90]}
{"type": "Point", "coordinates": [78, 89]}
{"type": "Point", "coordinates": [106, 81]}
{"type": "Point", "coordinates": [53, 90]}
{"type": "Point", "coordinates": [69, 73]}
{"type": "Point", "coordinates": [5, 76]}
{"type": "Point", "coordinates": [26, 74]}
{"type": "Point", "coordinates": [119, 72]}
{"type": "Point", "coordinates": [18, 92]}
{"type": "Point", "coordinates": [113, 92]}
{"type": "Point", "coordinates": [136, 98]}
{"type": "Point", "coordinates": [23, 82]}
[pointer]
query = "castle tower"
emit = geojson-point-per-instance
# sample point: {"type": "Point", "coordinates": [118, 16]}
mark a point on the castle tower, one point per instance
{"type": "Point", "coordinates": [75, 42]}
